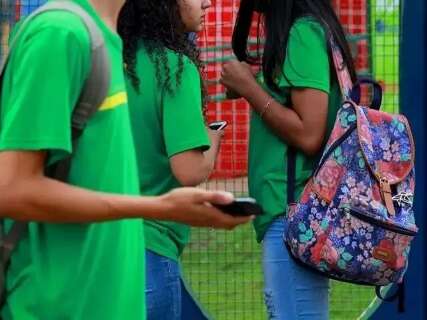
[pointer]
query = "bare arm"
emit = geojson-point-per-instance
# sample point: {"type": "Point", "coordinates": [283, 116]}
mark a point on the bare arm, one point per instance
{"type": "Point", "coordinates": [193, 167]}
{"type": "Point", "coordinates": [26, 194]}
{"type": "Point", "coordinates": [302, 126]}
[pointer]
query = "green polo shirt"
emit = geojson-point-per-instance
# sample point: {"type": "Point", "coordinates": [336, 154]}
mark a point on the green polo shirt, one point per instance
{"type": "Point", "coordinates": [306, 65]}
{"type": "Point", "coordinates": [165, 124]}
{"type": "Point", "coordinates": [72, 271]}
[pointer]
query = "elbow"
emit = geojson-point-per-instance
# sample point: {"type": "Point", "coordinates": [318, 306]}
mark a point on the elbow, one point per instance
{"type": "Point", "coordinates": [194, 177]}
{"type": "Point", "coordinates": [311, 146]}
{"type": "Point", "coordinates": [3, 201]}
{"type": "Point", "coordinates": [18, 200]}
{"type": "Point", "coordinates": [10, 197]}
{"type": "Point", "coordinates": [191, 181]}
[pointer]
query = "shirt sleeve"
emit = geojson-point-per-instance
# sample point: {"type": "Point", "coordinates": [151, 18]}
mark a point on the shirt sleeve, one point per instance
{"type": "Point", "coordinates": [183, 124]}
{"type": "Point", "coordinates": [42, 84]}
{"type": "Point", "coordinates": [307, 60]}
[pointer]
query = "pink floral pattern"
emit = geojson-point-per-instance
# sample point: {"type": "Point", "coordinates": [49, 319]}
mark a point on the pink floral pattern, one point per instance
{"type": "Point", "coordinates": [341, 225]}
{"type": "Point", "coordinates": [328, 178]}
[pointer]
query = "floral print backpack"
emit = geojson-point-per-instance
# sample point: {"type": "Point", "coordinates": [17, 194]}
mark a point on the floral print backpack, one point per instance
{"type": "Point", "coordinates": [354, 221]}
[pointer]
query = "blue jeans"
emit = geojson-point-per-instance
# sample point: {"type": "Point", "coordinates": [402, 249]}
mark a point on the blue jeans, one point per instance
{"type": "Point", "coordinates": [167, 295]}
{"type": "Point", "coordinates": [291, 292]}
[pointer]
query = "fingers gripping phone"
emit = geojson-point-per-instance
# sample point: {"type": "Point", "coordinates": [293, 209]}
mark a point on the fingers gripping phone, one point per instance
{"type": "Point", "coordinates": [242, 207]}
{"type": "Point", "coordinates": [218, 125]}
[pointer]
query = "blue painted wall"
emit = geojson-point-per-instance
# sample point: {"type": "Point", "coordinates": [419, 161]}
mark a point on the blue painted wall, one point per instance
{"type": "Point", "coordinates": [414, 103]}
{"type": "Point", "coordinates": [28, 6]}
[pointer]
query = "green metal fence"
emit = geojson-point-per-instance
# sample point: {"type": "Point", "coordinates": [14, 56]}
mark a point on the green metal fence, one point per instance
{"type": "Point", "coordinates": [224, 268]}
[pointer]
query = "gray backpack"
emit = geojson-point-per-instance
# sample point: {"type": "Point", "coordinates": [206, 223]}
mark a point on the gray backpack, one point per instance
{"type": "Point", "coordinates": [93, 94]}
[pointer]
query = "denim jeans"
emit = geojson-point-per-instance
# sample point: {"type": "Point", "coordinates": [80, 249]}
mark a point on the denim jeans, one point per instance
{"type": "Point", "coordinates": [291, 292]}
{"type": "Point", "coordinates": [167, 295]}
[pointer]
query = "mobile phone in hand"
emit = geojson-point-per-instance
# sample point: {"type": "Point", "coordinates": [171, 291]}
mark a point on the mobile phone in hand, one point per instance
{"type": "Point", "coordinates": [218, 125]}
{"type": "Point", "coordinates": [242, 207]}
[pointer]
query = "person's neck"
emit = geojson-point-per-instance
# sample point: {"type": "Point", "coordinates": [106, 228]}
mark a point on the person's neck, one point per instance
{"type": "Point", "coordinates": [108, 11]}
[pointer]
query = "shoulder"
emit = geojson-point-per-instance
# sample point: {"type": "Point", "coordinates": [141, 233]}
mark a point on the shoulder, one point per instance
{"type": "Point", "coordinates": [176, 60]}
{"type": "Point", "coordinates": [57, 27]}
{"type": "Point", "coordinates": [307, 29]}
{"type": "Point", "coordinates": [307, 59]}
{"type": "Point", "coordinates": [163, 54]}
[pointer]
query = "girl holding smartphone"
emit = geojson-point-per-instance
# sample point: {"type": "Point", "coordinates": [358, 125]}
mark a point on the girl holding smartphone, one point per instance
{"type": "Point", "coordinates": [174, 147]}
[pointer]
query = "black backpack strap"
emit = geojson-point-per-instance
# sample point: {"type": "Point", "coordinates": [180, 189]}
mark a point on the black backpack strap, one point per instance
{"type": "Point", "coordinates": [8, 244]}
{"type": "Point", "coordinates": [291, 164]}
{"type": "Point", "coordinates": [398, 294]}
{"type": "Point", "coordinates": [10, 240]}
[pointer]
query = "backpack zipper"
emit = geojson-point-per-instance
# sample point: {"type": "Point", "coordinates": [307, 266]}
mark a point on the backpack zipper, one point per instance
{"type": "Point", "coordinates": [379, 223]}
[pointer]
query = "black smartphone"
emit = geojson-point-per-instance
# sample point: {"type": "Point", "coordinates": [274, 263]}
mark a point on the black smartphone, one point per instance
{"type": "Point", "coordinates": [242, 207]}
{"type": "Point", "coordinates": [218, 125]}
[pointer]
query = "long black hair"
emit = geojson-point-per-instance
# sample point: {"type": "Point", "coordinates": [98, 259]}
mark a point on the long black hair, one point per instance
{"type": "Point", "coordinates": [278, 16]}
{"type": "Point", "coordinates": [159, 25]}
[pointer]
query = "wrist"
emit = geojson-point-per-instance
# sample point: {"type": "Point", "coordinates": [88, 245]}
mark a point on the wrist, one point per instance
{"type": "Point", "coordinates": [265, 108]}
{"type": "Point", "coordinates": [156, 207]}
{"type": "Point", "coordinates": [215, 141]}
{"type": "Point", "coordinates": [249, 88]}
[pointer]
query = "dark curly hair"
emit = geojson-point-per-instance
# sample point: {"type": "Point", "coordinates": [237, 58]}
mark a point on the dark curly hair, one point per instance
{"type": "Point", "coordinates": [159, 25]}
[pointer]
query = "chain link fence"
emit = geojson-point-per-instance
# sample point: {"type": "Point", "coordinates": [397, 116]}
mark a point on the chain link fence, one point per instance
{"type": "Point", "coordinates": [224, 268]}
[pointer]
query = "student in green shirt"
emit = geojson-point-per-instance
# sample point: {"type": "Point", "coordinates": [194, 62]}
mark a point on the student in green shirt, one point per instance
{"type": "Point", "coordinates": [83, 256]}
{"type": "Point", "coordinates": [294, 100]}
{"type": "Point", "coordinates": [174, 148]}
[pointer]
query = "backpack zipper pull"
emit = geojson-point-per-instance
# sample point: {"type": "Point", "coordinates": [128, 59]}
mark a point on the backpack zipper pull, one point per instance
{"type": "Point", "coordinates": [387, 196]}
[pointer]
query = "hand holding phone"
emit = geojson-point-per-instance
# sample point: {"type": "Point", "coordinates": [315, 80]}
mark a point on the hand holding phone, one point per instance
{"type": "Point", "coordinates": [242, 207]}
{"type": "Point", "coordinates": [218, 125]}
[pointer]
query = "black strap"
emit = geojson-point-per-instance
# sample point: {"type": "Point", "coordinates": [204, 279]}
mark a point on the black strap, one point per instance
{"type": "Point", "coordinates": [291, 171]}
{"type": "Point", "coordinates": [9, 241]}
{"type": "Point", "coordinates": [60, 170]}
{"type": "Point", "coordinates": [401, 297]}
{"type": "Point", "coordinates": [399, 294]}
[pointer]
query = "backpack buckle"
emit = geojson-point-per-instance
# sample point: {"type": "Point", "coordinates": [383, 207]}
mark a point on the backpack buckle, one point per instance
{"type": "Point", "coordinates": [387, 195]}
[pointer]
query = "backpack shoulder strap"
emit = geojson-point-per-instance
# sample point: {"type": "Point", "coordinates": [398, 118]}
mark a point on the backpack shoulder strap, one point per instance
{"type": "Point", "coordinates": [96, 86]}
{"type": "Point", "coordinates": [97, 83]}
{"type": "Point", "coordinates": [343, 75]}
{"type": "Point", "coordinates": [95, 89]}
{"type": "Point", "coordinates": [8, 243]}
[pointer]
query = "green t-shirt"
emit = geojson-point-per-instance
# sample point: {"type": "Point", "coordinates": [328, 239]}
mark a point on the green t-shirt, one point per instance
{"type": "Point", "coordinates": [72, 271]}
{"type": "Point", "coordinates": [306, 65]}
{"type": "Point", "coordinates": [164, 125]}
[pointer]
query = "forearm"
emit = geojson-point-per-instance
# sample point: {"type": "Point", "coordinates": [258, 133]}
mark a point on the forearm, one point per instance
{"type": "Point", "coordinates": [198, 171]}
{"type": "Point", "coordinates": [283, 121]}
{"type": "Point", "coordinates": [46, 200]}
{"type": "Point", "coordinates": [201, 167]}
{"type": "Point", "coordinates": [210, 156]}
